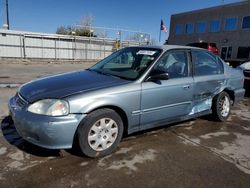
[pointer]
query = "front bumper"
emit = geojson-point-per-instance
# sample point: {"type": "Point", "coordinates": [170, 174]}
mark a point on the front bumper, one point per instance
{"type": "Point", "coordinates": [45, 131]}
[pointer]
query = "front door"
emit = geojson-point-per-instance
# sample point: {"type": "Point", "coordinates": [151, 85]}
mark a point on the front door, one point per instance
{"type": "Point", "coordinates": [167, 99]}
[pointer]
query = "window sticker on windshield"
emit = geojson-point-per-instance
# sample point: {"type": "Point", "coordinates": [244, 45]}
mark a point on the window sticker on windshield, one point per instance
{"type": "Point", "coordinates": [145, 52]}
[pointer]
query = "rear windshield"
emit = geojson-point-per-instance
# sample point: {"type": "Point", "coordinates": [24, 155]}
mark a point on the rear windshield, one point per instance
{"type": "Point", "coordinates": [212, 45]}
{"type": "Point", "coordinates": [199, 45]}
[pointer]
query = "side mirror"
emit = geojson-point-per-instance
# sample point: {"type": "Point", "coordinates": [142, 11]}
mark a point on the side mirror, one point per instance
{"type": "Point", "coordinates": [157, 75]}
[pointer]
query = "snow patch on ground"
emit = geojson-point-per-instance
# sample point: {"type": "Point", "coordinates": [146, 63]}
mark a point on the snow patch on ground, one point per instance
{"type": "Point", "coordinates": [15, 164]}
{"type": "Point", "coordinates": [3, 150]}
{"type": "Point", "coordinates": [18, 155]}
{"type": "Point", "coordinates": [84, 163]}
{"type": "Point", "coordinates": [216, 134]}
{"type": "Point", "coordinates": [246, 128]}
{"type": "Point", "coordinates": [124, 150]}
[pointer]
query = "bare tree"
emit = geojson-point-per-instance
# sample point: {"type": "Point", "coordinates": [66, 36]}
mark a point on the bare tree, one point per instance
{"type": "Point", "coordinates": [62, 30]}
{"type": "Point", "coordinates": [140, 37]}
{"type": "Point", "coordinates": [153, 41]}
{"type": "Point", "coordinates": [84, 28]}
{"type": "Point", "coordinates": [87, 21]}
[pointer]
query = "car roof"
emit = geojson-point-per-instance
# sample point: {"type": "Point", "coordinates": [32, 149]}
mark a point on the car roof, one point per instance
{"type": "Point", "coordinates": [170, 47]}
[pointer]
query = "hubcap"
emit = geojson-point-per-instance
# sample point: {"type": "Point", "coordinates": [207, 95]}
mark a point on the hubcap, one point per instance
{"type": "Point", "coordinates": [224, 106]}
{"type": "Point", "coordinates": [102, 134]}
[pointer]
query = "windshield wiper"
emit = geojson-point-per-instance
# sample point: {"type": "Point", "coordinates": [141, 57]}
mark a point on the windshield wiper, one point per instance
{"type": "Point", "coordinates": [91, 70]}
{"type": "Point", "coordinates": [108, 74]}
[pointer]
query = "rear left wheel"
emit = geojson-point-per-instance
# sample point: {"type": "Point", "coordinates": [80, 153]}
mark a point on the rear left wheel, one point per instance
{"type": "Point", "coordinates": [221, 106]}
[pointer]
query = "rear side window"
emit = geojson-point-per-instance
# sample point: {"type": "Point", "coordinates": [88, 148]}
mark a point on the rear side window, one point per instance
{"type": "Point", "coordinates": [205, 64]}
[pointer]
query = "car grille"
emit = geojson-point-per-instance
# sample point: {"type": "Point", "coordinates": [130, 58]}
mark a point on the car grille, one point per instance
{"type": "Point", "coordinates": [247, 73]}
{"type": "Point", "coordinates": [20, 101]}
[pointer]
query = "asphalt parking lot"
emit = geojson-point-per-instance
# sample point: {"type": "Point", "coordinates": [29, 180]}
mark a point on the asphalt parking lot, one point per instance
{"type": "Point", "coordinates": [195, 153]}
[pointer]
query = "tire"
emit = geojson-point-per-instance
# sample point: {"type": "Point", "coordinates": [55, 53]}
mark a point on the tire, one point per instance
{"type": "Point", "coordinates": [100, 133]}
{"type": "Point", "coordinates": [221, 107]}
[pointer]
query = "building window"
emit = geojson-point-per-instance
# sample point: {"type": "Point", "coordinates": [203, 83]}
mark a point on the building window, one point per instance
{"type": "Point", "coordinates": [189, 28]}
{"type": "Point", "coordinates": [243, 52]}
{"type": "Point", "coordinates": [230, 24]}
{"type": "Point", "coordinates": [215, 26]}
{"type": "Point", "coordinates": [179, 29]}
{"type": "Point", "coordinates": [201, 27]}
{"type": "Point", "coordinates": [246, 22]}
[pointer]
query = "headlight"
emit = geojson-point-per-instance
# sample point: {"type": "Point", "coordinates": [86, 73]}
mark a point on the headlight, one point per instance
{"type": "Point", "coordinates": [50, 107]}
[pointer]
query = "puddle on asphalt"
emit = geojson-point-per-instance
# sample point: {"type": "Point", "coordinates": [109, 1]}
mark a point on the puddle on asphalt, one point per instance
{"type": "Point", "coordinates": [188, 140]}
{"type": "Point", "coordinates": [130, 163]}
{"type": "Point", "coordinates": [242, 111]}
{"type": "Point", "coordinates": [236, 151]}
{"type": "Point", "coordinates": [239, 151]}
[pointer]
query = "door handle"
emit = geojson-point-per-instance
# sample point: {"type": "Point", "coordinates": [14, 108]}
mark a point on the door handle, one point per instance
{"type": "Point", "coordinates": [186, 87]}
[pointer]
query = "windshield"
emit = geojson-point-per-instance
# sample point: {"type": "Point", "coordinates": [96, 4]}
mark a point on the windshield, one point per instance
{"type": "Point", "coordinates": [128, 63]}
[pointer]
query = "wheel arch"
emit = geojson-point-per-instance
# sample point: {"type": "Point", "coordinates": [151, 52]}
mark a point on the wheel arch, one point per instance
{"type": "Point", "coordinates": [119, 111]}
{"type": "Point", "coordinates": [231, 94]}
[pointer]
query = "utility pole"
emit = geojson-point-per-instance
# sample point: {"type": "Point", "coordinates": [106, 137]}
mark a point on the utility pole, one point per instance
{"type": "Point", "coordinates": [7, 14]}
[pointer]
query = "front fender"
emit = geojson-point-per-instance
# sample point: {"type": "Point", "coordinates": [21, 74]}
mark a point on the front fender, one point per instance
{"type": "Point", "coordinates": [127, 99]}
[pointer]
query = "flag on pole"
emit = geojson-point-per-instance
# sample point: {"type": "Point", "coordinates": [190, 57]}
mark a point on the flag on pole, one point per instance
{"type": "Point", "coordinates": [163, 27]}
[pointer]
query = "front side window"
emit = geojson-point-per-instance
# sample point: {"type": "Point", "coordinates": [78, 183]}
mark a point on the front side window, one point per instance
{"type": "Point", "coordinates": [201, 27]}
{"type": "Point", "coordinates": [246, 22]}
{"type": "Point", "coordinates": [205, 64]}
{"type": "Point", "coordinates": [230, 24]}
{"type": "Point", "coordinates": [179, 29]}
{"type": "Point", "coordinates": [128, 63]}
{"type": "Point", "coordinates": [215, 26]}
{"type": "Point", "coordinates": [189, 28]}
{"type": "Point", "coordinates": [175, 63]}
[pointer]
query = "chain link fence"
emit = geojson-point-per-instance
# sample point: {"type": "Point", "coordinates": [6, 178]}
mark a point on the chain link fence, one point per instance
{"type": "Point", "coordinates": [18, 44]}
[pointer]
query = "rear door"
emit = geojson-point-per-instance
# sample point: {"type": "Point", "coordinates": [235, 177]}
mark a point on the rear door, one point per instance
{"type": "Point", "coordinates": [168, 99]}
{"type": "Point", "coordinates": [208, 79]}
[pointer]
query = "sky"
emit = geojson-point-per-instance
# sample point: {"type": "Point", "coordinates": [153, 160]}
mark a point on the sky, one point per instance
{"type": "Point", "coordinates": [137, 15]}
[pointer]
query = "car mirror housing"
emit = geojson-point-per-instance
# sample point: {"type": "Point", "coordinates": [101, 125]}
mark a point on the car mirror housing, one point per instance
{"type": "Point", "coordinates": [158, 75]}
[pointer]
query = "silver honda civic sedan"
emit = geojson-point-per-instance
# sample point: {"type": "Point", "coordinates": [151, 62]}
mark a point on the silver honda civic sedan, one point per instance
{"type": "Point", "coordinates": [133, 89]}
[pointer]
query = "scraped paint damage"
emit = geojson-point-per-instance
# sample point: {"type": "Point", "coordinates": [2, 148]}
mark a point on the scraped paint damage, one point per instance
{"type": "Point", "coordinates": [201, 106]}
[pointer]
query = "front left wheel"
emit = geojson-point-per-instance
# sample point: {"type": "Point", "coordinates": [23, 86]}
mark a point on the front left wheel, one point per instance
{"type": "Point", "coordinates": [100, 133]}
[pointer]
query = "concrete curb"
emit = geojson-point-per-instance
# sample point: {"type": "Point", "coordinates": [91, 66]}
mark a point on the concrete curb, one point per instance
{"type": "Point", "coordinates": [9, 85]}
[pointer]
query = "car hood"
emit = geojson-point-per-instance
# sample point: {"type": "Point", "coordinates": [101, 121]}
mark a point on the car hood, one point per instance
{"type": "Point", "coordinates": [62, 85]}
{"type": "Point", "coordinates": [245, 66]}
